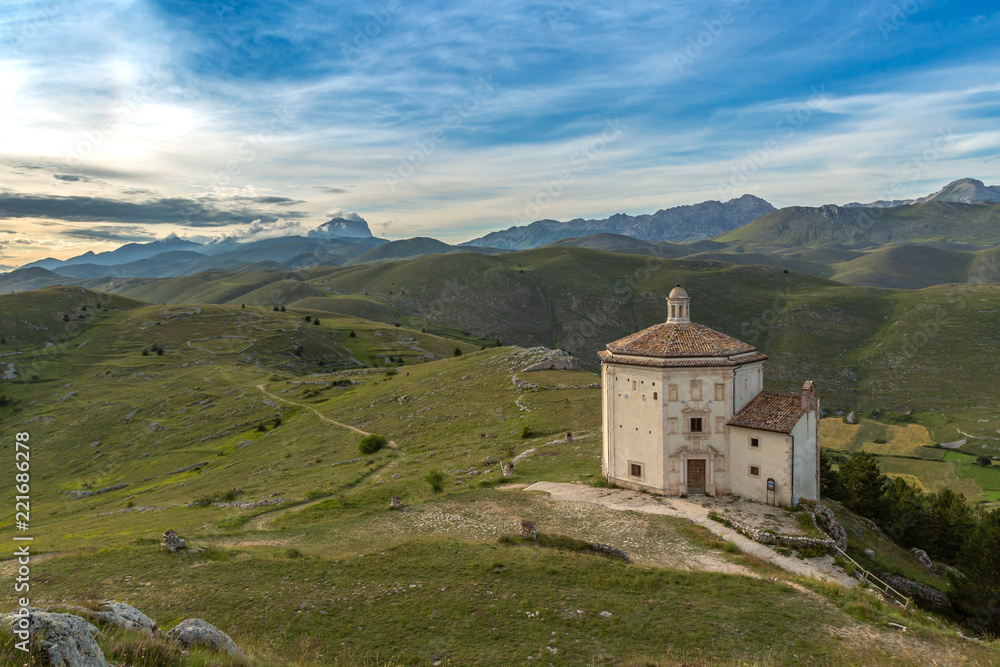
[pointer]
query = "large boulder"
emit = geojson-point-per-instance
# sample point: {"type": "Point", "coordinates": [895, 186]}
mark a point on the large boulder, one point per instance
{"type": "Point", "coordinates": [63, 639]}
{"type": "Point", "coordinates": [120, 615]}
{"type": "Point", "coordinates": [196, 632]}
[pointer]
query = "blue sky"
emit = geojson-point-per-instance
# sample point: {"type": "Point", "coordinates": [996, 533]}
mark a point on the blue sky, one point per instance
{"type": "Point", "coordinates": [130, 120]}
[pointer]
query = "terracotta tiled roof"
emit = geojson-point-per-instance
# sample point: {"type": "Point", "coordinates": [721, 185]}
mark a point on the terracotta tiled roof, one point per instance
{"type": "Point", "coordinates": [679, 340]}
{"type": "Point", "coordinates": [771, 411]}
{"type": "Point", "coordinates": [680, 362]}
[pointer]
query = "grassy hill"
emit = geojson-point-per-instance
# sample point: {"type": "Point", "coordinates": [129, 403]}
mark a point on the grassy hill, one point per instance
{"type": "Point", "coordinates": [928, 351]}
{"type": "Point", "coordinates": [244, 443]}
{"type": "Point", "coordinates": [798, 226]}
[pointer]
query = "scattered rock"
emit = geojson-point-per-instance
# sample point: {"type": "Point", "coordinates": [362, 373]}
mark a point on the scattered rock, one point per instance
{"type": "Point", "coordinates": [395, 503]}
{"type": "Point", "coordinates": [196, 632]}
{"type": "Point", "coordinates": [120, 615]}
{"type": "Point", "coordinates": [172, 542]}
{"type": "Point", "coordinates": [825, 520]}
{"type": "Point", "coordinates": [921, 557]}
{"type": "Point", "coordinates": [851, 419]}
{"type": "Point", "coordinates": [870, 553]}
{"type": "Point", "coordinates": [529, 531]}
{"type": "Point", "coordinates": [65, 640]}
{"type": "Point", "coordinates": [606, 614]}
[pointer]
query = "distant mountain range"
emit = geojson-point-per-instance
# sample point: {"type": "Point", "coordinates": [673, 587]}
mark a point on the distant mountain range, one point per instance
{"type": "Point", "coordinates": [948, 236]}
{"type": "Point", "coordinates": [681, 223]}
{"type": "Point", "coordinates": [962, 191]}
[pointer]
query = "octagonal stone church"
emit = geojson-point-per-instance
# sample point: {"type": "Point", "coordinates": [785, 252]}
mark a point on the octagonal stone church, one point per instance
{"type": "Point", "coordinates": [685, 412]}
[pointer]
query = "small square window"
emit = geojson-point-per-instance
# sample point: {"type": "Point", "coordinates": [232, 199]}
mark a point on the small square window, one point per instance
{"type": "Point", "coordinates": [755, 442]}
{"type": "Point", "coordinates": [696, 424]}
{"type": "Point", "coordinates": [755, 471]}
{"type": "Point", "coordinates": [635, 470]}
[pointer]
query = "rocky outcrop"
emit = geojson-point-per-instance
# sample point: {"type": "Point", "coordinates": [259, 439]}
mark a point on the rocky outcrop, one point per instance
{"type": "Point", "coordinates": [63, 640]}
{"type": "Point", "coordinates": [395, 503]}
{"type": "Point", "coordinates": [172, 542]}
{"type": "Point", "coordinates": [558, 360]}
{"type": "Point", "coordinates": [921, 557]}
{"type": "Point", "coordinates": [930, 596]}
{"type": "Point", "coordinates": [827, 522]}
{"type": "Point", "coordinates": [196, 632]}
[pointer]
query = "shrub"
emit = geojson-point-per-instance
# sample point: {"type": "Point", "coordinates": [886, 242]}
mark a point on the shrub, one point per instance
{"type": "Point", "coordinates": [983, 461]}
{"type": "Point", "coordinates": [880, 441]}
{"type": "Point", "coordinates": [353, 335]}
{"type": "Point", "coordinates": [458, 351]}
{"type": "Point", "coordinates": [372, 443]}
{"type": "Point", "coordinates": [397, 324]}
{"type": "Point", "coordinates": [275, 309]}
{"type": "Point", "coordinates": [308, 318]}
{"type": "Point", "coordinates": [526, 431]}
{"type": "Point", "coordinates": [436, 479]}
{"type": "Point", "coordinates": [316, 321]}
{"type": "Point", "coordinates": [282, 309]}
{"type": "Point", "coordinates": [391, 371]}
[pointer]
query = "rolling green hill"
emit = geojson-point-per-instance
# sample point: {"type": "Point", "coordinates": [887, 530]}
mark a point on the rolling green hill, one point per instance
{"type": "Point", "coordinates": [798, 226]}
{"type": "Point", "coordinates": [244, 444]}
{"type": "Point", "coordinates": [857, 343]}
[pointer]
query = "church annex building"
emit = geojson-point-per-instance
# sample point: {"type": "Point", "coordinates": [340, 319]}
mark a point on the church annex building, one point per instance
{"type": "Point", "coordinates": [685, 412]}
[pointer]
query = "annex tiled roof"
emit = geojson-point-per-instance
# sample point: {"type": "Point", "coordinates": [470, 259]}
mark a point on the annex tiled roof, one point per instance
{"type": "Point", "coordinates": [771, 411]}
{"type": "Point", "coordinates": [680, 362]}
{"type": "Point", "coordinates": [679, 340]}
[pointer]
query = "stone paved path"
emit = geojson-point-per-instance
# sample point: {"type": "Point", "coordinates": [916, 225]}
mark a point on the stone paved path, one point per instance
{"type": "Point", "coordinates": [623, 499]}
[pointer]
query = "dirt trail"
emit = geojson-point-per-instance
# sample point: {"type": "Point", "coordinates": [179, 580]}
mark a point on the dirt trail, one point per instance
{"type": "Point", "coordinates": [621, 499]}
{"type": "Point", "coordinates": [392, 443]}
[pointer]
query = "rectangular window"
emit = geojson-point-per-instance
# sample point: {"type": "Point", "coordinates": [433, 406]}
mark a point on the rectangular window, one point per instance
{"type": "Point", "coordinates": [696, 424]}
{"type": "Point", "coordinates": [672, 392]}
{"type": "Point", "coordinates": [754, 442]}
{"type": "Point", "coordinates": [634, 385]}
{"type": "Point", "coordinates": [755, 471]}
{"type": "Point", "coordinates": [635, 470]}
{"type": "Point", "coordinates": [696, 390]}
{"type": "Point", "coordinates": [654, 395]}
{"type": "Point", "coordinates": [720, 391]}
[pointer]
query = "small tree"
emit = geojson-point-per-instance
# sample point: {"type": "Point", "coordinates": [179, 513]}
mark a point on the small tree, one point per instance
{"type": "Point", "coordinates": [308, 318]}
{"type": "Point", "coordinates": [316, 321]}
{"type": "Point", "coordinates": [458, 351]}
{"type": "Point", "coordinates": [282, 309]}
{"type": "Point", "coordinates": [372, 443]}
{"type": "Point", "coordinates": [864, 484]}
{"type": "Point", "coordinates": [498, 343]}
{"type": "Point", "coordinates": [275, 309]}
{"type": "Point", "coordinates": [353, 335]}
{"type": "Point", "coordinates": [983, 461]}
{"type": "Point", "coordinates": [436, 479]}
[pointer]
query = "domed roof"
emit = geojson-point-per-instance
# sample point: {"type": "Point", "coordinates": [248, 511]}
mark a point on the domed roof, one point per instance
{"type": "Point", "coordinates": [679, 340]}
{"type": "Point", "coordinates": [677, 293]}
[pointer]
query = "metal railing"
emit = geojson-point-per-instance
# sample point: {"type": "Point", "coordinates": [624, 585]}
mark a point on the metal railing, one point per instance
{"type": "Point", "coordinates": [879, 585]}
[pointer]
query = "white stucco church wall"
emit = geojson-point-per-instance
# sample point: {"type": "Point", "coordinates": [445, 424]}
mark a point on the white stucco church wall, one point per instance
{"type": "Point", "coordinates": [685, 412]}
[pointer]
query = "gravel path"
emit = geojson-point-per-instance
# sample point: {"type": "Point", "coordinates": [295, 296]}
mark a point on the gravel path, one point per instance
{"type": "Point", "coordinates": [621, 499]}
